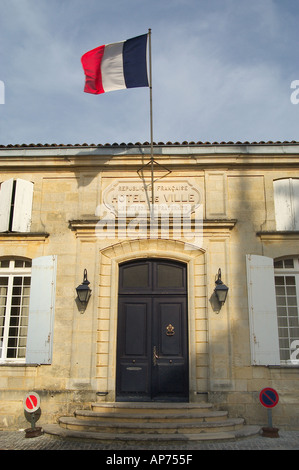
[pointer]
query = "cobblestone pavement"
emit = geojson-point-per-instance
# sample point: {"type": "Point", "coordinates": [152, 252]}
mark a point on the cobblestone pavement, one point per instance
{"type": "Point", "coordinates": [16, 440]}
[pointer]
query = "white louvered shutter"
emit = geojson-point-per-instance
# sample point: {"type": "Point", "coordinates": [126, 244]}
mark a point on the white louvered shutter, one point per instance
{"type": "Point", "coordinates": [283, 205]}
{"type": "Point", "coordinates": [262, 311]}
{"type": "Point", "coordinates": [286, 201]}
{"type": "Point", "coordinates": [22, 206]}
{"type": "Point", "coordinates": [41, 310]}
{"type": "Point", "coordinates": [5, 204]}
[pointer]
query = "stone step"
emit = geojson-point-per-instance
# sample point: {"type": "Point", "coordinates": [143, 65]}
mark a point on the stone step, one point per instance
{"type": "Point", "coordinates": [108, 426]}
{"type": "Point", "coordinates": [145, 422]}
{"type": "Point", "coordinates": [106, 438]}
{"type": "Point", "coordinates": [145, 416]}
{"type": "Point", "coordinates": [137, 407]}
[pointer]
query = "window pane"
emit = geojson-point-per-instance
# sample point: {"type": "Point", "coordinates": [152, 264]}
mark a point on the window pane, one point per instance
{"type": "Point", "coordinates": [284, 355]}
{"type": "Point", "coordinates": [284, 333]}
{"type": "Point", "coordinates": [294, 333]}
{"type": "Point", "coordinates": [281, 311]}
{"type": "Point", "coordinates": [280, 290]}
{"type": "Point", "coordinates": [16, 300]}
{"type": "Point", "coordinates": [19, 263]}
{"type": "Point", "coordinates": [136, 276]}
{"type": "Point", "coordinates": [3, 281]}
{"type": "Point", "coordinates": [281, 300]}
{"type": "Point", "coordinates": [288, 263]}
{"type": "Point", "coordinates": [24, 317]}
{"type": "Point", "coordinates": [17, 291]}
{"type": "Point", "coordinates": [293, 312]}
{"type": "Point", "coordinates": [291, 290]}
{"type": "Point", "coordinates": [21, 352]}
{"type": "Point", "coordinates": [293, 322]}
{"type": "Point", "coordinates": [278, 264]}
{"type": "Point", "coordinates": [292, 300]}
{"type": "Point", "coordinates": [17, 281]}
{"type": "Point", "coordinates": [284, 343]}
{"type": "Point", "coordinates": [4, 263]}
{"type": "Point", "coordinates": [170, 276]}
{"type": "Point", "coordinates": [282, 322]}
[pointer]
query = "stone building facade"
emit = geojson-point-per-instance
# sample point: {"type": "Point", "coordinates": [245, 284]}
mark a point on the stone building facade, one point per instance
{"type": "Point", "coordinates": [153, 328]}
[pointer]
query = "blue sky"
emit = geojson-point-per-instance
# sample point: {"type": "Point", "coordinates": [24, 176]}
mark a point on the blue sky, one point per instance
{"type": "Point", "coordinates": [222, 71]}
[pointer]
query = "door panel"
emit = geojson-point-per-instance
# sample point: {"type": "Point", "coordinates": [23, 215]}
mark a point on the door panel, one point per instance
{"type": "Point", "coordinates": [133, 374]}
{"type": "Point", "coordinates": [170, 374]}
{"type": "Point", "coordinates": [152, 344]}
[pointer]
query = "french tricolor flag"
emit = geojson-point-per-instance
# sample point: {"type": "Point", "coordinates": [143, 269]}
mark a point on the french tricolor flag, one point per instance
{"type": "Point", "coordinates": [116, 66]}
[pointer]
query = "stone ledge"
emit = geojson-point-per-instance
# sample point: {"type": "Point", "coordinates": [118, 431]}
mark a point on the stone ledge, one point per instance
{"type": "Point", "coordinates": [278, 235]}
{"type": "Point", "coordinates": [23, 236]}
{"type": "Point", "coordinates": [87, 227]}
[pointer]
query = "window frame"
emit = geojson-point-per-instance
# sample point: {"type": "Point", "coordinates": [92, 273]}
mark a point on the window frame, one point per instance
{"type": "Point", "coordinates": [287, 272]}
{"type": "Point", "coordinates": [11, 272]}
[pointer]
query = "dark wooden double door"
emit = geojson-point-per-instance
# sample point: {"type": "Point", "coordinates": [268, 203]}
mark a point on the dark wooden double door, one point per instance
{"type": "Point", "coordinates": [152, 334]}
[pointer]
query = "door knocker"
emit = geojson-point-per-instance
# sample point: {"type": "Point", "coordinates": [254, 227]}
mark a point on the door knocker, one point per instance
{"type": "Point", "coordinates": [170, 330]}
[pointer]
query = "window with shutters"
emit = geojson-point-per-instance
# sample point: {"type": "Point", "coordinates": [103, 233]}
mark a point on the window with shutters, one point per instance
{"type": "Point", "coordinates": [287, 289]}
{"type": "Point", "coordinates": [286, 201]}
{"type": "Point", "coordinates": [16, 205]}
{"type": "Point", "coordinates": [27, 306]}
{"type": "Point", "coordinates": [15, 279]}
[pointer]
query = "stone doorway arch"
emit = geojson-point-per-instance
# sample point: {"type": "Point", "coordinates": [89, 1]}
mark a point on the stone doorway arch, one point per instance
{"type": "Point", "coordinates": [110, 258]}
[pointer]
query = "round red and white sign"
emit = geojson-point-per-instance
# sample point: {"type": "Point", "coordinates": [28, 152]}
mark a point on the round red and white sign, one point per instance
{"type": "Point", "coordinates": [31, 402]}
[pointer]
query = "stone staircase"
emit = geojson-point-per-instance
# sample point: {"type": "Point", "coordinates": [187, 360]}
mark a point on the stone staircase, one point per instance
{"type": "Point", "coordinates": [151, 422]}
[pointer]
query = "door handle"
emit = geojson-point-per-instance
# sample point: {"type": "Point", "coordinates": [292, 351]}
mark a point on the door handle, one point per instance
{"type": "Point", "coordinates": [155, 356]}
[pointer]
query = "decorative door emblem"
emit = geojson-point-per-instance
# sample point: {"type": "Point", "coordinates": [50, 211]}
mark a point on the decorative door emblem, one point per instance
{"type": "Point", "coordinates": [170, 330]}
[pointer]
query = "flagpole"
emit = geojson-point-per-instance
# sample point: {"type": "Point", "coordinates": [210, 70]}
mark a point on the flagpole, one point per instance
{"type": "Point", "coordinates": [151, 122]}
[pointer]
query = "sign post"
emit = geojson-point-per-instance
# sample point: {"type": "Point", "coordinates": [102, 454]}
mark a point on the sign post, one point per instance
{"type": "Point", "coordinates": [31, 404]}
{"type": "Point", "coordinates": [269, 399]}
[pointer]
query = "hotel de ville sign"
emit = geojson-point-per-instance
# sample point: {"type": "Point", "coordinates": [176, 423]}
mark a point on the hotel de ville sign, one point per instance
{"type": "Point", "coordinates": [173, 194]}
{"type": "Point", "coordinates": [127, 211]}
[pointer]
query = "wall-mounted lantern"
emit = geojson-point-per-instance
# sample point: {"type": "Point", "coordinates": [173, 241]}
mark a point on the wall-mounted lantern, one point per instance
{"type": "Point", "coordinates": [221, 289]}
{"type": "Point", "coordinates": [84, 291]}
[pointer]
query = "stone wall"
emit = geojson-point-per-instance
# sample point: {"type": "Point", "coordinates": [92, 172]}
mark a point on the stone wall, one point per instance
{"type": "Point", "coordinates": [238, 214]}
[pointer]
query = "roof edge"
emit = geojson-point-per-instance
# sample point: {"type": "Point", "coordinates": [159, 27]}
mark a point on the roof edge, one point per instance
{"type": "Point", "coordinates": [144, 144]}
